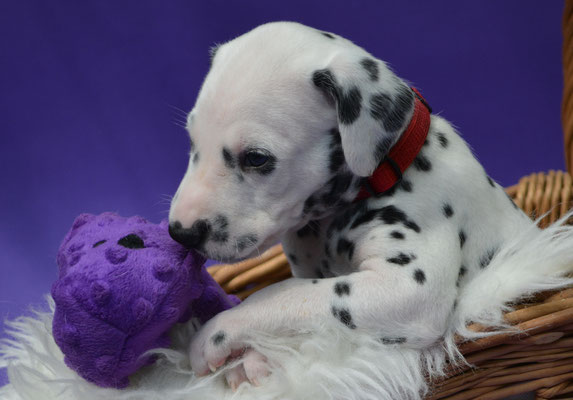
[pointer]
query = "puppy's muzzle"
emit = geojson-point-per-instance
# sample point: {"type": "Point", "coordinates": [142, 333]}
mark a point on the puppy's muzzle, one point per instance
{"type": "Point", "coordinates": [192, 238]}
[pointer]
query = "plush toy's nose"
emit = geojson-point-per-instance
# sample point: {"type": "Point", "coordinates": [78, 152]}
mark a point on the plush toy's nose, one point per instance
{"type": "Point", "coordinates": [191, 238]}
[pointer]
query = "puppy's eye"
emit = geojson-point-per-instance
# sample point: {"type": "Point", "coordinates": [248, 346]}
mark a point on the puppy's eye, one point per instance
{"type": "Point", "coordinates": [255, 159]}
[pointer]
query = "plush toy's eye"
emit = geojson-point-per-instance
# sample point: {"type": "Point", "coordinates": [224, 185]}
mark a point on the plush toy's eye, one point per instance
{"type": "Point", "coordinates": [131, 241]}
{"type": "Point", "coordinates": [99, 243]}
{"type": "Point", "coordinates": [255, 159]}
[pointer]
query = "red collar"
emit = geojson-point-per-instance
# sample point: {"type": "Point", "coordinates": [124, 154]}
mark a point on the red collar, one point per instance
{"type": "Point", "coordinates": [402, 154]}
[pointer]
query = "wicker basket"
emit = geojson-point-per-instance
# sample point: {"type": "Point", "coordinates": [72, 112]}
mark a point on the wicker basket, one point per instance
{"type": "Point", "coordinates": [508, 364]}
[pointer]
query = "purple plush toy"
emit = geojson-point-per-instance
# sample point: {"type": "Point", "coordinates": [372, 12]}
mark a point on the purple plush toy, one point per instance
{"type": "Point", "coordinates": [123, 283]}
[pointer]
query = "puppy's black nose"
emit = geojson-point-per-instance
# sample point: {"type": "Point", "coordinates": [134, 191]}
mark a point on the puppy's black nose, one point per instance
{"type": "Point", "coordinates": [191, 238]}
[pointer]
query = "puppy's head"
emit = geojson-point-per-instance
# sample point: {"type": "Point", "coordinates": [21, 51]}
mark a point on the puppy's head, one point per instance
{"type": "Point", "coordinates": [287, 123]}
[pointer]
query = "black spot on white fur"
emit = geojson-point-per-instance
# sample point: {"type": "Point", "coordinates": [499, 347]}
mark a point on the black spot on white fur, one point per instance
{"type": "Point", "coordinates": [219, 229]}
{"type": "Point", "coordinates": [335, 136]}
{"type": "Point", "coordinates": [345, 246]}
{"type": "Point", "coordinates": [324, 79]}
{"type": "Point", "coordinates": [342, 220]}
{"type": "Point", "coordinates": [218, 338]}
{"type": "Point", "coordinates": [393, 340]}
{"type": "Point", "coordinates": [448, 210]}
{"type": "Point", "coordinates": [349, 102]}
{"type": "Point", "coordinates": [344, 316]}
{"type": "Point", "coordinates": [392, 112]}
{"type": "Point", "coordinates": [490, 181]}
{"type": "Point", "coordinates": [412, 225]}
{"type": "Point", "coordinates": [462, 236]}
{"type": "Point", "coordinates": [333, 194]}
{"type": "Point", "coordinates": [400, 259]}
{"type": "Point", "coordinates": [228, 157]}
{"type": "Point", "coordinates": [96, 244]}
{"type": "Point", "coordinates": [349, 105]}
{"type": "Point", "coordinates": [336, 159]}
{"type": "Point", "coordinates": [421, 163]}
{"type": "Point", "coordinates": [419, 276]}
{"type": "Point", "coordinates": [293, 259]}
{"type": "Point", "coordinates": [342, 289]}
{"type": "Point", "coordinates": [221, 221]}
{"type": "Point", "coordinates": [486, 258]}
{"type": "Point", "coordinates": [328, 35]}
{"type": "Point", "coordinates": [406, 185]}
{"type": "Point", "coordinates": [390, 215]}
{"type": "Point", "coordinates": [335, 188]}
{"type": "Point", "coordinates": [443, 140]}
{"type": "Point", "coordinates": [397, 235]}
{"type": "Point", "coordinates": [461, 274]}
{"type": "Point", "coordinates": [512, 202]}
{"type": "Point", "coordinates": [309, 204]}
{"type": "Point", "coordinates": [246, 241]}
{"type": "Point", "coordinates": [371, 67]}
{"type": "Point", "coordinates": [196, 158]}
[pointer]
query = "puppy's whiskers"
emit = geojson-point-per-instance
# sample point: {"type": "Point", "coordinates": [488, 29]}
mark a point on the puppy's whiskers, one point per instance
{"type": "Point", "coordinates": [165, 199]}
{"type": "Point", "coordinates": [179, 123]}
{"type": "Point", "coordinates": [177, 110]}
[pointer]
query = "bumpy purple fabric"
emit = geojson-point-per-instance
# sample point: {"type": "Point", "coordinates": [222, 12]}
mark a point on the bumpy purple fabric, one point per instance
{"type": "Point", "coordinates": [123, 283]}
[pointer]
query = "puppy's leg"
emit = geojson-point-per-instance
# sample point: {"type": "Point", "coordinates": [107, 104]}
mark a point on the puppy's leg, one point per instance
{"type": "Point", "coordinates": [396, 304]}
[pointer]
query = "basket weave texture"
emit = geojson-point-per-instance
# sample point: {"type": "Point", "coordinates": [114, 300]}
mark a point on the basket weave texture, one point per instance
{"type": "Point", "coordinates": [540, 361]}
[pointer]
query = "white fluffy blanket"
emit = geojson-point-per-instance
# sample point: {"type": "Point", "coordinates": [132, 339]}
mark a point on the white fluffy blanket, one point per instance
{"type": "Point", "coordinates": [325, 364]}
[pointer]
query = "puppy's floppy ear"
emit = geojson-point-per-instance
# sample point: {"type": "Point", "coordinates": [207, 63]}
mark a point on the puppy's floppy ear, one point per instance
{"type": "Point", "coordinates": [373, 106]}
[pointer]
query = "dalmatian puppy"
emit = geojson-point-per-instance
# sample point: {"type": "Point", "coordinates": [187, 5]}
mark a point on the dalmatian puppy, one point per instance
{"type": "Point", "coordinates": [288, 124]}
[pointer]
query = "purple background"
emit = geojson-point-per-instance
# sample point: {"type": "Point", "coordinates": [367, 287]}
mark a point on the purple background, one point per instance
{"type": "Point", "coordinates": [89, 93]}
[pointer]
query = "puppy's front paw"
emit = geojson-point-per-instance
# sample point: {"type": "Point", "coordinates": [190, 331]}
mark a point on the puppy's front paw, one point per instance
{"type": "Point", "coordinates": [220, 340]}
{"type": "Point", "coordinates": [215, 342]}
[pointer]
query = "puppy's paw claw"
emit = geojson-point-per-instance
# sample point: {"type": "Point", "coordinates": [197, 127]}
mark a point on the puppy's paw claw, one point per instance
{"type": "Point", "coordinates": [235, 376]}
{"type": "Point", "coordinates": [212, 367]}
{"type": "Point", "coordinates": [256, 366]}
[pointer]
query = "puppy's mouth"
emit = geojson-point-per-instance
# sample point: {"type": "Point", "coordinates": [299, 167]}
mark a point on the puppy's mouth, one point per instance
{"type": "Point", "coordinates": [228, 259]}
{"type": "Point", "coordinates": [224, 259]}
{"type": "Point", "coordinates": [234, 256]}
